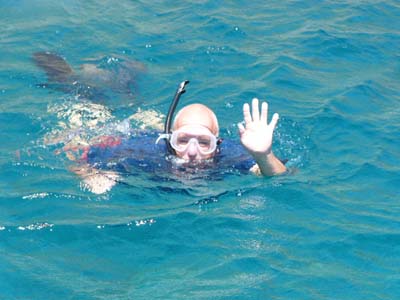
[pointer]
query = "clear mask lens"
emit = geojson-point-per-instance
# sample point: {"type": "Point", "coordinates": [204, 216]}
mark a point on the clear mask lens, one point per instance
{"type": "Point", "coordinates": [206, 143]}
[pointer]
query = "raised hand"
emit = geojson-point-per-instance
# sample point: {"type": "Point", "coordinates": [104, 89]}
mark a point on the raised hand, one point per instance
{"type": "Point", "coordinates": [256, 136]}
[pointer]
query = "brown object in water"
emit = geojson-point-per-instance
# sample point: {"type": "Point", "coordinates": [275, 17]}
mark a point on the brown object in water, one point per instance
{"type": "Point", "coordinates": [56, 68]}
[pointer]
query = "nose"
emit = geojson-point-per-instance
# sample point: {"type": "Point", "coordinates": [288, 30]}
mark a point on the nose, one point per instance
{"type": "Point", "coordinates": [192, 151]}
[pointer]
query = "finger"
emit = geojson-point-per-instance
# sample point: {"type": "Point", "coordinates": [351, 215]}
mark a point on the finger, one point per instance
{"type": "Point", "coordinates": [264, 112]}
{"type": "Point", "coordinates": [241, 128]}
{"type": "Point", "coordinates": [255, 110]}
{"type": "Point", "coordinates": [274, 121]}
{"type": "Point", "coordinates": [246, 113]}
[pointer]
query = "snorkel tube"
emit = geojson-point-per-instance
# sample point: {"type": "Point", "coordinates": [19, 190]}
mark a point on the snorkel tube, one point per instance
{"type": "Point", "coordinates": [171, 111]}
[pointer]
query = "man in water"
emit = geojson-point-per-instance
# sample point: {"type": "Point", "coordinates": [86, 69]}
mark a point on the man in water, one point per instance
{"type": "Point", "coordinates": [193, 142]}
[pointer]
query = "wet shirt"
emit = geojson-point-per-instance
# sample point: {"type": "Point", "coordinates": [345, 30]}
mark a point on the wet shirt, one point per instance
{"type": "Point", "coordinates": [139, 153]}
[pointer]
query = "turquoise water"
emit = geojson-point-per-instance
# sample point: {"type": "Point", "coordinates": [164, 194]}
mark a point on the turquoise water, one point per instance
{"type": "Point", "coordinates": [331, 230]}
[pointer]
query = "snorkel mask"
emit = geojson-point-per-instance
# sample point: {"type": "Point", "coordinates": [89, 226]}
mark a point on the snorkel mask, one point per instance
{"type": "Point", "coordinates": [196, 136]}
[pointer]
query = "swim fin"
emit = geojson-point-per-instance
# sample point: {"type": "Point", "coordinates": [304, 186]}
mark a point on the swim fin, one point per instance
{"type": "Point", "coordinates": [56, 68]}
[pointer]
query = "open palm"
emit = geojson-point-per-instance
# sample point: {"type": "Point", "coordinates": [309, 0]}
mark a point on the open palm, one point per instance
{"type": "Point", "coordinates": [256, 134]}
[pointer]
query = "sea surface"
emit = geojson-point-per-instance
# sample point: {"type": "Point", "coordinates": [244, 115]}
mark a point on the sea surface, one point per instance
{"type": "Point", "coordinates": [328, 230]}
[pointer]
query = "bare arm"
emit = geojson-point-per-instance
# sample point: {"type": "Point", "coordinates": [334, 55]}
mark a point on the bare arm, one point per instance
{"type": "Point", "coordinates": [256, 136]}
{"type": "Point", "coordinates": [94, 180]}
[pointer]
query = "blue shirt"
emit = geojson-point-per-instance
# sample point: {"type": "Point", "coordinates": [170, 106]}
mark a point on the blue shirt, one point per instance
{"type": "Point", "coordinates": [139, 153]}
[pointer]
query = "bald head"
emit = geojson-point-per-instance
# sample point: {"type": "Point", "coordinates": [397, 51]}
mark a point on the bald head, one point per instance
{"type": "Point", "coordinates": [197, 114]}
